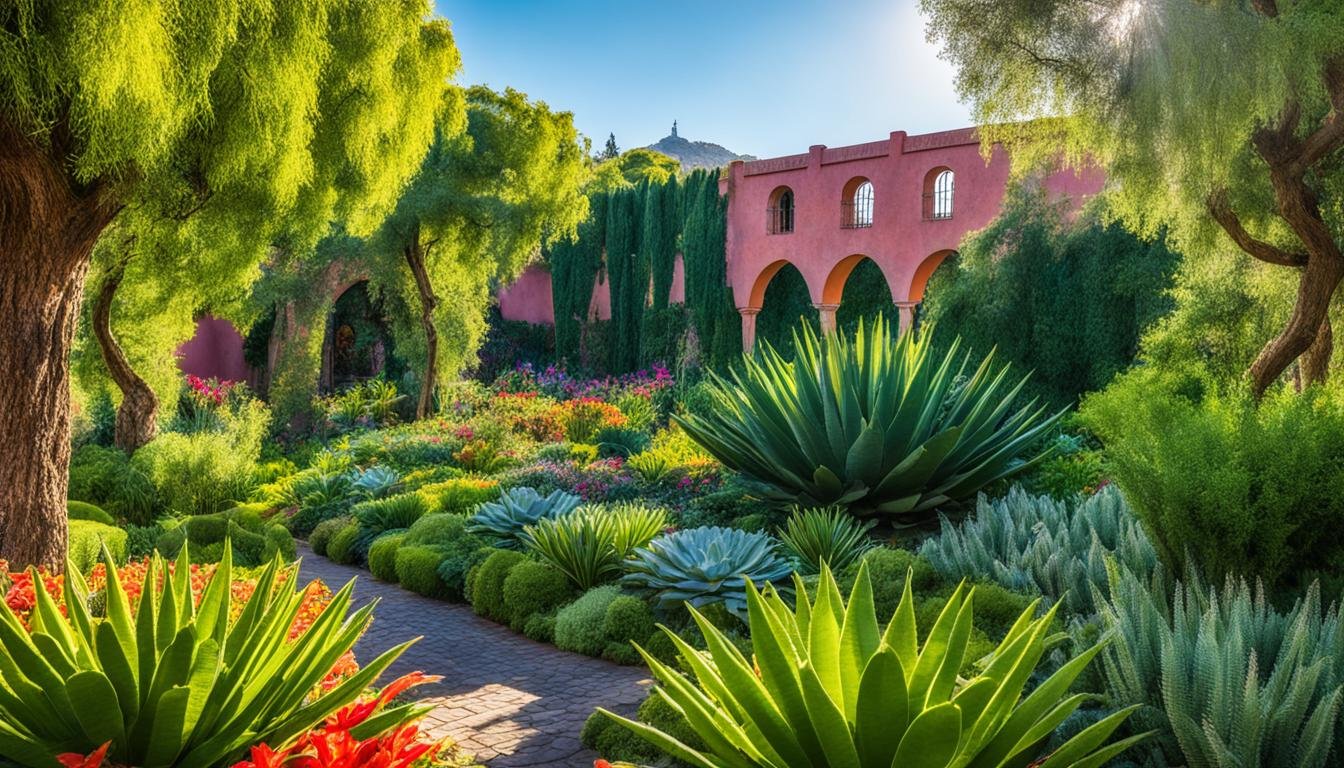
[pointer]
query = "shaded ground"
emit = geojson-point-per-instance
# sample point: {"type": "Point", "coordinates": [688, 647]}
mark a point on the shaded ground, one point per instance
{"type": "Point", "coordinates": [508, 699]}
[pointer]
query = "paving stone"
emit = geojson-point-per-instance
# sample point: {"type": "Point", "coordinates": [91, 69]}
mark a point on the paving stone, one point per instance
{"type": "Point", "coordinates": [512, 701]}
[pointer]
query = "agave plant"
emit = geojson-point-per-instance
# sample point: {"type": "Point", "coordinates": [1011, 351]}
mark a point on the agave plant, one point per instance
{"type": "Point", "coordinates": [828, 686]}
{"type": "Point", "coordinates": [872, 422]}
{"type": "Point", "coordinates": [174, 682]}
{"type": "Point", "coordinates": [825, 536]}
{"type": "Point", "coordinates": [590, 544]}
{"type": "Point", "coordinates": [517, 508]}
{"type": "Point", "coordinates": [706, 565]}
{"type": "Point", "coordinates": [374, 482]}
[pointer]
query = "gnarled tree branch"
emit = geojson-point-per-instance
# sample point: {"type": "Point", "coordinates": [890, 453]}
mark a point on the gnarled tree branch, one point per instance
{"type": "Point", "coordinates": [1221, 211]}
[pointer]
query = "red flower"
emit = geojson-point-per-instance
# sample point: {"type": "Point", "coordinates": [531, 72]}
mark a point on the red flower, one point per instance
{"type": "Point", "coordinates": [93, 760]}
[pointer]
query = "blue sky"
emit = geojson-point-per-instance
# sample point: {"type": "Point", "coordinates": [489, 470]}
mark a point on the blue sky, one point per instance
{"type": "Point", "coordinates": [764, 78]}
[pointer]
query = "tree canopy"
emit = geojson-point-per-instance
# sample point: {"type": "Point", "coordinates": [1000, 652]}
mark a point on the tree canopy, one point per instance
{"type": "Point", "coordinates": [1218, 121]}
{"type": "Point", "coordinates": [199, 134]}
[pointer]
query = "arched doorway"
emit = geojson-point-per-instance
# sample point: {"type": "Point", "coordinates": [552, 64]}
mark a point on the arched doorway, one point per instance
{"type": "Point", "coordinates": [358, 344]}
{"type": "Point", "coordinates": [785, 301]}
{"type": "Point", "coordinates": [865, 294]}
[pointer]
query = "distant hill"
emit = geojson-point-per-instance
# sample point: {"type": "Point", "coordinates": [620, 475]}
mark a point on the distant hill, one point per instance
{"type": "Point", "coordinates": [695, 154]}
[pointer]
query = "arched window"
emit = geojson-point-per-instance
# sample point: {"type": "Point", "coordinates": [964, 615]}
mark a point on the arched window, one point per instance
{"type": "Point", "coordinates": [857, 205]}
{"type": "Point", "coordinates": [938, 192]}
{"type": "Point", "coordinates": [779, 216]}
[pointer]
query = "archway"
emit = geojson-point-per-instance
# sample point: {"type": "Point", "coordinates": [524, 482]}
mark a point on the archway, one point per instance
{"type": "Point", "coordinates": [782, 294]}
{"type": "Point", "coordinates": [924, 274]}
{"type": "Point", "coordinates": [358, 343]}
{"type": "Point", "coordinates": [861, 293]}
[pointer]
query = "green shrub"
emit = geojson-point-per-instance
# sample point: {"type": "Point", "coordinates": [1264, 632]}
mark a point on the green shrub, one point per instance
{"type": "Point", "coordinates": [700, 566]}
{"type": "Point", "coordinates": [872, 711]}
{"type": "Point", "coordinates": [197, 474]}
{"type": "Point", "coordinates": [581, 625]}
{"type": "Point", "coordinates": [461, 494]}
{"type": "Point", "coordinates": [418, 570]}
{"type": "Point", "coordinates": [279, 541]}
{"type": "Point", "coordinates": [82, 510]}
{"type": "Point", "coordinates": [439, 529]}
{"type": "Point", "coordinates": [383, 556]}
{"type": "Point", "coordinates": [57, 714]}
{"type": "Point", "coordinates": [378, 516]}
{"type": "Point", "coordinates": [255, 541]}
{"type": "Point", "coordinates": [320, 494]}
{"type": "Point", "coordinates": [87, 538]}
{"type": "Point", "coordinates": [590, 544]}
{"type": "Point", "coordinates": [104, 476]}
{"type": "Point", "coordinates": [1225, 678]}
{"type": "Point", "coordinates": [887, 568]}
{"type": "Point", "coordinates": [323, 531]}
{"type": "Point", "coordinates": [540, 627]}
{"type": "Point", "coordinates": [142, 539]}
{"type": "Point", "coordinates": [843, 423]}
{"type": "Point", "coordinates": [461, 559]}
{"type": "Point", "coordinates": [1034, 543]}
{"type": "Point", "coordinates": [531, 588]}
{"type": "Point", "coordinates": [487, 586]}
{"type": "Point", "coordinates": [628, 619]}
{"type": "Point", "coordinates": [621, 441]}
{"type": "Point", "coordinates": [341, 547]}
{"type": "Point", "coordinates": [1231, 486]}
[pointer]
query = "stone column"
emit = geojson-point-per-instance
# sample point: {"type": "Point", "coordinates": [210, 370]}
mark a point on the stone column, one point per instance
{"type": "Point", "coordinates": [906, 311]}
{"type": "Point", "coordinates": [748, 326]}
{"type": "Point", "coordinates": [827, 313]}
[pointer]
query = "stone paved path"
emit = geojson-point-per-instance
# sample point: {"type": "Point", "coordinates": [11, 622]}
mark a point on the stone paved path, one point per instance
{"type": "Point", "coordinates": [511, 701]}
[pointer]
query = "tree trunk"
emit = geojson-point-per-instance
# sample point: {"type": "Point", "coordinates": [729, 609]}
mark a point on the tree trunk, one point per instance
{"type": "Point", "coordinates": [415, 259]}
{"type": "Point", "coordinates": [1307, 324]}
{"type": "Point", "coordinates": [48, 227]}
{"type": "Point", "coordinates": [1316, 361]}
{"type": "Point", "coordinates": [139, 406]}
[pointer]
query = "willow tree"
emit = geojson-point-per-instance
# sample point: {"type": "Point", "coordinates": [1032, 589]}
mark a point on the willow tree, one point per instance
{"type": "Point", "coordinates": [1222, 120]}
{"type": "Point", "coordinates": [485, 200]}
{"type": "Point", "coordinates": [179, 124]}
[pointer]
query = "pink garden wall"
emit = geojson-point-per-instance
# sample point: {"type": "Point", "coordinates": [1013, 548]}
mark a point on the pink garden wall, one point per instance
{"type": "Point", "coordinates": [216, 351]}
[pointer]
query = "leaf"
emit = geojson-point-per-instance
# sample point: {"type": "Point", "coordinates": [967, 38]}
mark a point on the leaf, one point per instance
{"type": "Point", "coordinates": [931, 741]}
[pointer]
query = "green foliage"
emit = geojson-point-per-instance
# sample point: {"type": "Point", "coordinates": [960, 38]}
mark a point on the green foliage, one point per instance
{"type": "Point", "coordinates": [1224, 484]}
{"type": "Point", "coordinates": [628, 619]}
{"type": "Point", "coordinates": [1059, 549]}
{"type": "Point", "coordinates": [620, 441]}
{"type": "Point", "coordinates": [462, 494]}
{"type": "Point", "coordinates": [255, 542]}
{"type": "Point", "coordinates": [341, 546]}
{"type": "Point", "coordinates": [79, 510]}
{"type": "Point", "coordinates": [516, 508]}
{"type": "Point", "coordinates": [1065, 298]}
{"type": "Point", "coordinates": [488, 195]}
{"type": "Point", "coordinates": [87, 539]}
{"type": "Point", "coordinates": [487, 584]}
{"type": "Point", "coordinates": [193, 699]}
{"type": "Point", "coordinates": [700, 566]}
{"type": "Point", "coordinates": [891, 569]}
{"type": "Point", "coordinates": [1224, 677]}
{"type": "Point", "coordinates": [870, 421]}
{"type": "Point", "coordinates": [590, 544]}
{"type": "Point", "coordinates": [323, 532]}
{"type": "Point", "coordinates": [198, 474]}
{"type": "Point", "coordinates": [531, 588]}
{"type": "Point", "coordinates": [864, 696]}
{"type": "Point", "coordinates": [378, 516]}
{"type": "Point", "coordinates": [581, 625]}
{"type": "Point", "coordinates": [417, 569]}
{"type": "Point", "coordinates": [383, 556]}
{"type": "Point", "coordinates": [644, 165]}
{"type": "Point", "coordinates": [574, 266]}
{"type": "Point", "coordinates": [825, 536]}
{"type": "Point", "coordinates": [718, 329]}
{"type": "Point", "coordinates": [785, 308]}
{"type": "Point", "coordinates": [142, 539]}
{"type": "Point", "coordinates": [104, 476]}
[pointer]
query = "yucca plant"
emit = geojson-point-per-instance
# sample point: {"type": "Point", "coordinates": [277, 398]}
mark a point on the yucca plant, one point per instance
{"type": "Point", "coordinates": [172, 683]}
{"type": "Point", "coordinates": [699, 566]}
{"type": "Point", "coordinates": [872, 422]}
{"type": "Point", "coordinates": [515, 509]}
{"type": "Point", "coordinates": [828, 686]}
{"type": "Point", "coordinates": [1224, 677]}
{"type": "Point", "coordinates": [590, 544]}
{"type": "Point", "coordinates": [825, 536]}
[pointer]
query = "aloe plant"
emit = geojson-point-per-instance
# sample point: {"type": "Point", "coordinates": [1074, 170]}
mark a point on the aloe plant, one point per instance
{"type": "Point", "coordinates": [172, 683]}
{"type": "Point", "coordinates": [699, 566]}
{"type": "Point", "coordinates": [873, 422]}
{"type": "Point", "coordinates": [517, 508]}
{"type": "Point", "coordinates": [828, 686]}
{"type": "Point", "coordinates": [590, 544]}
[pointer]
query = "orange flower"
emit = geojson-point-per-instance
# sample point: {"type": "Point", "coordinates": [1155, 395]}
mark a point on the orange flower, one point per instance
{"type": "Point", "coordinates": [93, 760]}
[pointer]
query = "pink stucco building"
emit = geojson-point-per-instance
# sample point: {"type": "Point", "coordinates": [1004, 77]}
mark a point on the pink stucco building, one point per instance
{"type": "Point", "coordinates": [905, 202]}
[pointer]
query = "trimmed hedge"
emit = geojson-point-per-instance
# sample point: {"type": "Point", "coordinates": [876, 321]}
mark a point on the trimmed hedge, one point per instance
{"type": "Point", "coordinates": [487, 586]}
{"type": "Point", "coordinates": [418, 570]}
{"type": "Point", "coordinates": [533, 588]}
{"type": "Point", "coordinates": [86, 543]}
{"type": "Point", "coordinates": [581, 625]}
{"type": "Point", "coordinates": [82, 510]}
{"type": "Point", "coordinates": [383, 556]}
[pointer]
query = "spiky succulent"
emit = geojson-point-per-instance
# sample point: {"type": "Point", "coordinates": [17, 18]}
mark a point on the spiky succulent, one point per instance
{"type": "Point", "coordinates": [706, 565]}
{"type": "Point", "coordinates": [505, 518]}
{"type": "Point", "coordinates": [375, 482]}
{"type": "Point", "coordinates": [825, 536]}
{"type": "Point", "coordinates": [879, 423]}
